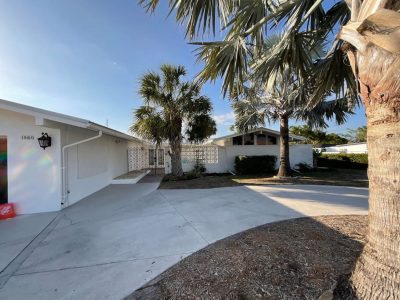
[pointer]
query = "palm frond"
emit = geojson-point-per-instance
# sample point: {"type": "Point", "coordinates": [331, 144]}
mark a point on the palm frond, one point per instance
{"type": "Point", "coordinates": [148, 124]}
{"type": "Point", "coordinates": [337, 110]}
{"type": "Point", "coordinates": [171, 76]}
{"type": "Point", "coordinates": [150, 88]}
{"type": "Point", "coordinates": [200, 127]}
{"type": "Point", "coordinates": [333, 75]}
{"type": "Point", "coordinates": [294, 53]}
{"type": "Point", "coordinates": [199, 16]}
{"type": "Point", "coordinates": [228, 60]}
{"type": "Point", "coordinates": [249, 114]}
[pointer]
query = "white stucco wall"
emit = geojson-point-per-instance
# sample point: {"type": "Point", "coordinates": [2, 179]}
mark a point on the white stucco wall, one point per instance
{"type": "Point", "coordinates": [34, 174]}
{"type": "Point", "coordinates": [351, 148]}
{"type": "Point", "coordinates": [299, 153]}
{"type": "Point", "coordinates": [92, 165]}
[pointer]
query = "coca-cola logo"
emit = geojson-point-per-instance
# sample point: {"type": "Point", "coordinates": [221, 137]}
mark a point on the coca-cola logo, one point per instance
{"type": "Point", "coordinates": [5, 210]}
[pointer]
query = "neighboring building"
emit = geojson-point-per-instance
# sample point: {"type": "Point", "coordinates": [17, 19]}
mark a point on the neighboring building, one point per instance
{"type": "Point", "coordinates": [355, 148]}
{"type": "Point", "coordinates": [83, 158]}
{"type": "Point", "coordinates": [218, 155]}
{"type": "Point", "coordinates": [260, 141]}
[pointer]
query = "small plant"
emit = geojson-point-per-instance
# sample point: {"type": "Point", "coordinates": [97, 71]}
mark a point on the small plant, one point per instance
{"type": "Point", "coordinates": [185, 176]}
{"type": "Point", "coordinates": [199, 168]}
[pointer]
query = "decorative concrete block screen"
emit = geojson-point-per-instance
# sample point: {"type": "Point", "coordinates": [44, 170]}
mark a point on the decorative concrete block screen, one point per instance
{"type": "Point", "coordinates": [138, 158]}
{"type": "Point", "coordinates": [202, 153]}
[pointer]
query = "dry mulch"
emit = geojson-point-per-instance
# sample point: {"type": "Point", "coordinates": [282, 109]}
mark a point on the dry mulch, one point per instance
{"type": "Point", "coordinates": [295, 259]}
{"type": "Point", "coordinates": [339, 177]}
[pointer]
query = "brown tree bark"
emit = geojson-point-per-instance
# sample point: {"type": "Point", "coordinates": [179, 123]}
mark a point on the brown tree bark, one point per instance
{"type": "Point", "coordinates": [284, 162]}
{"type": "Point", "coordinates": [377, 271]}
{"type": "Point", "coordinates": [176, 161]}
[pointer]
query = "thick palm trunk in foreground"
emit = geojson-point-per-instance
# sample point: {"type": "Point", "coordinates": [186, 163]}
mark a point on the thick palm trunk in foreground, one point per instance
{"type": "Point", "coordinates": [374, 56]}
{"type": "Point", "coordinates": [377, 272]}
{"type": "Point", "coordinates": [284, 163]}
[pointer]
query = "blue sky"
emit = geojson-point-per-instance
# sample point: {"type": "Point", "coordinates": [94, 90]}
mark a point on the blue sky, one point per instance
{"type": "Point", "coordinates": [84, 58]}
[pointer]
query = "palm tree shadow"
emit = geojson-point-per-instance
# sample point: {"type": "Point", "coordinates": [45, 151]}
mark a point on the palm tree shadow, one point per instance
{"type": "Point", "coordinates": [310, 253]}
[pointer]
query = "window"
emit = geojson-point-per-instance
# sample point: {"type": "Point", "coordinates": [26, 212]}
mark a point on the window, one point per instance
{"type": "Point", "coordinates": [237, 140]}
{"type": "Point", "coordinates": [152, 157]}
{"type": "Point", "coordinates": [261, 139]}
{"type": "Point", "coordinates": [249, 139]}
{"type": "Point", "coordinates": [160, 158]}
{"type": "Point", "coordinates": [271, 140]}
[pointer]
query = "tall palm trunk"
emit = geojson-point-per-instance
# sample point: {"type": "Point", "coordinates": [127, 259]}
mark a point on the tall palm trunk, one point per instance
{"type": "Point", "coordinates": [377, 271]}
{"type": "Point", "coordinates": [284, 162]}
{"type": "Point", "coordinates": [176, 161]}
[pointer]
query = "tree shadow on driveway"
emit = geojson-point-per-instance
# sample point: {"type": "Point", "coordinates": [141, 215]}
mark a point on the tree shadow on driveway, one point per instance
{"type": "Point", "coordinates": [117, 242]}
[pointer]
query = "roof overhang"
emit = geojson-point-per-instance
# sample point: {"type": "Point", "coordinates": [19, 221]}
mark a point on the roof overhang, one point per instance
{"type": "Point", "coordinates": [260, 129]}
{"type": "Point", "coordinates": [42, 115]}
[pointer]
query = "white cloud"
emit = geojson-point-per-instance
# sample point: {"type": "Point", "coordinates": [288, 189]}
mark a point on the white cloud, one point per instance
{"type": "Point", "coordinates": [225, 119]}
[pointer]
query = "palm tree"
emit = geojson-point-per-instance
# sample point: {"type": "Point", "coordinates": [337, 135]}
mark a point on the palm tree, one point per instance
{"type": "Point", "coordinates": [283, 101]}
{"type": "Point", "coordinates": [366, 50]}
{"type": "Point", "coordinates": [168, 103]}
{"type": "Point", "coordinates": [288, 97]}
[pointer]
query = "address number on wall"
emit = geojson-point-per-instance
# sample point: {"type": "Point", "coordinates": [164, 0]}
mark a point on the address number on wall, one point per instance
{"type": "Point", "coordinates": [27, 137]}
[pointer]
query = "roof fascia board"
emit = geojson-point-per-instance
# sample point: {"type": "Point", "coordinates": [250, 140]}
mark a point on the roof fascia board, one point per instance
{"type": "Point", "coordinates": [42, 115]}
{"type": "Point", "coordinates": [274, 132]}
{"type": "Point", "coordinates": [112, 132]}
{"type": "Point", "coordinates": [38, 114]}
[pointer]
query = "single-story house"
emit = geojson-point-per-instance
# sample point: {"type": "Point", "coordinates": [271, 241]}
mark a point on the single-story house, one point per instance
{"type": "Point", "coordinates": [81, 157]}
{"type": "Point", "coordinates": [259, 141]}
{"type": "Point", "coordinates": [49, 161]}
{"type": "Point", "coordinates": [218, 154]}
{"type": "Point", "coordinates": [356, 148]}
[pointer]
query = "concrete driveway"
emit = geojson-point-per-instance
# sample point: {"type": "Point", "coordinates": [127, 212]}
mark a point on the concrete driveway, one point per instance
{"type": "Point", "coordinates": [114, 241]}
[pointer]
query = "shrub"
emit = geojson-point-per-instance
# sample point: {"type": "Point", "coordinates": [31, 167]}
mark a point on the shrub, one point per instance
{"type": "Point", "coordinates": [255, 164]}
{"type": "Point", "coordinates": [186, 176]}
{"type": "Point", "coordinates": [316, 153]}
{"type": "Point", "coordinates": [199, 168]}
{"type": "Point", "coordinates": [343, 161]}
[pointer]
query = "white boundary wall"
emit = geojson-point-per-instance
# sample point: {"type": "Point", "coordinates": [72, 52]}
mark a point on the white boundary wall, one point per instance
{"type": "Point", "coordinates": [350, 148]}
{"type": "Point", "coordinates": [299, 153]}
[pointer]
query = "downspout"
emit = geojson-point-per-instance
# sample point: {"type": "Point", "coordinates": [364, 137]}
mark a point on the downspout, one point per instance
{"type": "Point", "coordinates": [64, 168]}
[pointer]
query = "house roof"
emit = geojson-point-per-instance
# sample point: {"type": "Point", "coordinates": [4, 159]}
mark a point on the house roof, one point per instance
{"type": "Point", "coordinates": [267, 130]}
{"type": "Point", "coordinates": [42, 114]}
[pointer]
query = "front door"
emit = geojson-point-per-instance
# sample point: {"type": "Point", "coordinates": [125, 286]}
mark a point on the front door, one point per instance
{"type": "Point", "coordinates": [3, 171]}
{"type": "Point", "coordinates": [156, 159]}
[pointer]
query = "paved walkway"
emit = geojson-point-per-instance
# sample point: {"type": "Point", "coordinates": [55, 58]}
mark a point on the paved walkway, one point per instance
{"type": "Point", "coordinates": [114, 241]}
{"type": "Point", "coordinates": [17, 233]}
